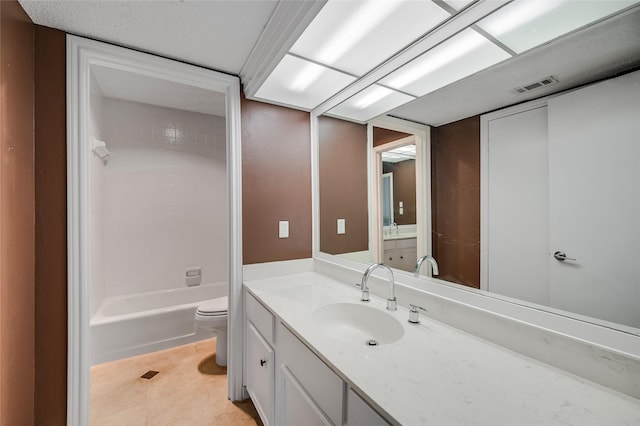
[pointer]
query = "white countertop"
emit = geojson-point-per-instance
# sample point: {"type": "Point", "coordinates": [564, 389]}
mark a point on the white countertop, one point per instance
{"type": "Point", "coordinates": [399, 236]}
{"type": "Point", "coordinates": [437, 375]}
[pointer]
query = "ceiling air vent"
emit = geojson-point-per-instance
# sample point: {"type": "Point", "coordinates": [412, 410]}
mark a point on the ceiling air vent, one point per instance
{"type": "Point", "coordinates": [547, 81]}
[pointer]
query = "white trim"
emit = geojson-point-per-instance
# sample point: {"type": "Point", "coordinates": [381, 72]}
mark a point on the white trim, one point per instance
{"type": "Point", "coordinates": [484, 179]}
{"type": "Point", "coordinates": [315, 185]}
{"type": "Point", "coordinates": [422, 139]}
{"type": "Point", "coordinates": [469, 16]}
{"type": "Point", "coordinates": [81, 53]}
{"type": "Point", "coordinates": [288, 21]}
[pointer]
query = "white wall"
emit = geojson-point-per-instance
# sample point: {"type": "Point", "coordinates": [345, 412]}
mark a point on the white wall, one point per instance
{"type": "Point", "coordinates": [165, 197]}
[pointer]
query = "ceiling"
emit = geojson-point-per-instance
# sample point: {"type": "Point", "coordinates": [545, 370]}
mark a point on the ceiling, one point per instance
{"type": "Point", "coordinates": [223, 35]}
{"type": "Point", "coordinates": [214, 34]}
{"type": "Point", "coordinates": [128, 86]}
{"type": "Point", "coordinates": [594, 53]}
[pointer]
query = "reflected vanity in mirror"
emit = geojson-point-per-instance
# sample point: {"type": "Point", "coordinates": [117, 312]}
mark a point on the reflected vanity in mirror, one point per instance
{"type": "Point", "coordinates": [460, 175]}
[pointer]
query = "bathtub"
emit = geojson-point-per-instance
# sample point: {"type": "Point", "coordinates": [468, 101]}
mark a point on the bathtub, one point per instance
{"type": "Point", "coordinates": [139, 323]}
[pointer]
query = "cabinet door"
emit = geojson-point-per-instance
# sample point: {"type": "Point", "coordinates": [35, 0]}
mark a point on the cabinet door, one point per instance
{"type": "Point", "coordinates": [260, 374]}
{"type": "Point", "coordinates": [298, 408]}
{"type": "Point", "coordinates": [359, 413]}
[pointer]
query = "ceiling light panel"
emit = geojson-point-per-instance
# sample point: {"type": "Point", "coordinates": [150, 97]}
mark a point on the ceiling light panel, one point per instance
{"type": "Point", "coordinates": [373, 101]}
{"type": "Point", "coordinates": [353, 36]}
{"type": "Point", "coordinates": [524, 24]}
{"type": "Point", "coordinates": [460, 56]}
{"type": "Point", "coordinates": [302, 84]}
{"type": "Point", "coordinates": [458, 4]}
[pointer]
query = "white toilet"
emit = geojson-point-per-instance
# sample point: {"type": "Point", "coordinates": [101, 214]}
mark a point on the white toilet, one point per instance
{"type": "Point", "coordinates": [212, 316]}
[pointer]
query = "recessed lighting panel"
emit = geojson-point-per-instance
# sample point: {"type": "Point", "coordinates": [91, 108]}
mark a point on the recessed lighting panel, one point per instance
{"type": "Point", "coordinates": [524, 24]}
{"type": "Point", "coordinates": [302, 84]}
{"type": "Point", "coordinates": [458, 4]}
{"type": "Point", "coordinates": [370, 103]}
{"type": "Point", "coordinates": [460, 56]}
{"type": "Point", "coordinates": [353, 36]}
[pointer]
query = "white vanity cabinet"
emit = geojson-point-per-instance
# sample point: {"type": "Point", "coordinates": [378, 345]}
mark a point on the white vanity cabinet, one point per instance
{"type": "Point", "coordinates": [260, 359]}
{"type": "Point", "coordinates": [359, 413]}
{"type": "Point", "coordinates": [310, 392]}
{"type": "Point", "coordinates": [401, 253]}
{"type": "Point", "coordinates": [289, 384]}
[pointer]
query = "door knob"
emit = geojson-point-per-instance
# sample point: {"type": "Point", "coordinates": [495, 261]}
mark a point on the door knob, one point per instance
{"type": "Point", "coordinates": [561, 256]}
{"type": "Point", "coordinates": [262, 362]}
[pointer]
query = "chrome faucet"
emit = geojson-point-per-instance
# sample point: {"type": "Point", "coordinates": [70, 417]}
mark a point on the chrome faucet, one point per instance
{"type": "Point", "coordinates": [391, 300]}
{"type": "Point", "coordinates": [432, 261]}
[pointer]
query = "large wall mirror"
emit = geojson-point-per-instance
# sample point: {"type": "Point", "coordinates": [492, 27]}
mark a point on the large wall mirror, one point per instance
{"type": "Point", "coordinates": [593, 101]}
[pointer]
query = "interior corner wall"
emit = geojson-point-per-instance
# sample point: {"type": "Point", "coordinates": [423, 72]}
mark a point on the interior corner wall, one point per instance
{"type": "Point", "coordinates": [50, 227]}
{"type": "Point", "coordinates": [276, 182]}
{"type": "Point", "coordinates": [17, 215]}
{"type": "Point", "coordinates": [455, 211]}
{"type": "Point", "coordinates": [343, 185]}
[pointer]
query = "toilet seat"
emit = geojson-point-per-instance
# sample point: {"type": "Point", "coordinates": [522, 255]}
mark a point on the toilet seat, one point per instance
{"type": "Point", "coordinates": [214, 307]}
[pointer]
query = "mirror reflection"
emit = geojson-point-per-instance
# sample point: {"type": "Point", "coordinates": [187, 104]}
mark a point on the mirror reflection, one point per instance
{"type": "Point", "coordinates": [579, 168]}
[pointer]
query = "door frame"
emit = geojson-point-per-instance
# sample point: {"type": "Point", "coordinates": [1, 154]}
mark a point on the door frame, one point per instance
{"type": "Point", "coordinates": [484, 179]}
{"type": "Point", "coordinates": [421, 137]}
{"type": "Point", "coordinates": [81, 54]}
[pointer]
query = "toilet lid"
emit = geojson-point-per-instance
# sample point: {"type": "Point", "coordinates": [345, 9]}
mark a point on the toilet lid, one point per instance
{"type": "Point", "coordinates": [214, 307]}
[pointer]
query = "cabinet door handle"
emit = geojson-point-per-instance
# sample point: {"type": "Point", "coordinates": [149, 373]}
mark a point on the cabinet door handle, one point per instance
{"type": "Point", "coordinates": [262, 362]}
{"type": "Point", "coordinates": [561, 256]}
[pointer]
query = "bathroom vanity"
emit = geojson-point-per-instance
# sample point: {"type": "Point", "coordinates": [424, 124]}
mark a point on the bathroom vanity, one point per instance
{"type": "Point", "coordinates": [302, 367]}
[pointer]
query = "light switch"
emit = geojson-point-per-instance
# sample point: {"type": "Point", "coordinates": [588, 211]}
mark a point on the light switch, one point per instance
{"type": "Point", "coordinates": [341, 226]}
{"type": "Point", "coordinates": [283, 229]}
{"type": "Point", "coordinates": [401, 205]}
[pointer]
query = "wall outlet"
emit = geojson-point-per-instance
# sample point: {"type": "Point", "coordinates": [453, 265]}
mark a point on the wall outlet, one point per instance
{"type": "Point", "coordinates": [283, 229]}
{"type": "Point", "coordinates": [341, 226]}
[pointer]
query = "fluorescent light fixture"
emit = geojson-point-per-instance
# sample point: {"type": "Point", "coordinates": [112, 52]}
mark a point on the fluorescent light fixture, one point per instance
{"type": "Point", "coordinates": [524, 24]}
{"type": "Point", "coordinates": [403, 153]}
{"type": "Point", "coordinates": [302, 84]}
{"type": "Point", "coordinates": [370, 103]}
{"type": "Point", "coordinates": [353, 36]}
{"type": "Point", "coordinates": [457, 4]}
{"type": "Point", "coordinates": [367, 15]}
{"type": "Point", "coordinates": [458, 57]}
{"type": "Point", "coordinates": [373, 96]}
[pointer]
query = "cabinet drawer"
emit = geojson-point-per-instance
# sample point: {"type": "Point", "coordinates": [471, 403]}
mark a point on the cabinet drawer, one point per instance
{"type": "Point", "coordinates": [261, 318]}
{"type": "Point", "coordinates": [406, 243]}
{"type": "Point", "coordinates": [318, 380]}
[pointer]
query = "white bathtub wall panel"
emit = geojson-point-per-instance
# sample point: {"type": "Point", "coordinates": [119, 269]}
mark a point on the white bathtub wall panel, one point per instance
{"type": "Point", "coordinates": [165, 197]}
{"type": "Point", "coordinates": [96, 203]}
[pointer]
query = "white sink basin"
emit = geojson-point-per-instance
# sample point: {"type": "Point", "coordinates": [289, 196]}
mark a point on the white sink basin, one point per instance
{"type": "Point", "coordinates": [357, 323]}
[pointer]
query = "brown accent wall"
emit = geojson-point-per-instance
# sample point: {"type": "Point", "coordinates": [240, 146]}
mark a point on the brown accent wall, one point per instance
{"type": "Point", "coordinates": [50, 227]}
{"type": "Point", "coordinates": [276, 182]}
{"type": "Point", "coordinates": [17, 214]}
{"type": "Point", "coordinates": [382, 136]}
{"type": "Point", "coordinates": [455, 185]}
{"type": "Point", "coordinates": [343, 185]}
{"type": "Point", "coordinates": [404, 189]}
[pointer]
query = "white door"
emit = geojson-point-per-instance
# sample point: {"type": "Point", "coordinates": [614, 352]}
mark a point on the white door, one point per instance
{"type": "Point", "coordinates": [517, 213]}
{"type": "Point", "coordinates": [594, 165]}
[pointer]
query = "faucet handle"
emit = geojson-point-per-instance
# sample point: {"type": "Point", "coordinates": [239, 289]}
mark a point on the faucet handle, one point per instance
{"type": "Point", "coordinates": [392, 304]}
{"type": "Point", "coordinates": [414, 313]}
{"type": "Point", "coordinates": [365, 293]}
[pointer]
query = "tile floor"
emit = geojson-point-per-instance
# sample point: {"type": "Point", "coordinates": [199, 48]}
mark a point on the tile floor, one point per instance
{"type": "Point", "coordinates": [189, 389]}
